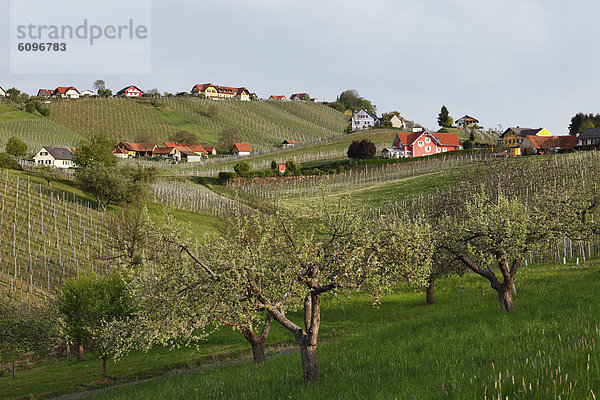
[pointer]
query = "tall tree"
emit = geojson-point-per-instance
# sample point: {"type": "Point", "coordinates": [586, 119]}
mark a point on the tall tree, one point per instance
{"type": "Point", "coordinates": [229, 136]}
{"type": "Point", "coordinates": [184, 137]}
{"type": "Point", "coordinates": [444, 119]}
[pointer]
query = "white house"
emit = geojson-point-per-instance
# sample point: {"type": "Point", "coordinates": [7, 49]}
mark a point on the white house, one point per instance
{"type": "Point", "coordinates": [363, 120]}
{"type": "Point", "coordinates": [57, 157]}
{"type": "Point", "coordinates": [86, 92]}
{"type": "Point", "coordinates": [398, 122]}
{"type": "Point", "coordinates": [241, 149]}
{"type": "Point", "coordinates": [2, 92]}
{"type": "Point", "coordinates": [66, 92]}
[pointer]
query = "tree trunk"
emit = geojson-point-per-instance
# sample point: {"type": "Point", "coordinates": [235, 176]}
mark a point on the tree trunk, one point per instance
{"type": "Point", "coordinates": [258, 351]}
{"type": "Point", "coordinates": [80, 353]}
{"type": "Point", "coordinates": [430, 291]}
{"type": "Point", "coordinates": [505, 296]}
{"type": "Point", "coordinates": [104, 362]}
{"type": "Point", "coordinates": [310, 364]}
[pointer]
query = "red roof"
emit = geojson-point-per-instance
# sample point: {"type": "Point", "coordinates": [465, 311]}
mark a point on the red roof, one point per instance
{"type": "Point", "coordinates": [242, 147]}
{"type": "Point", "coordinates": [197, 148]}
{"type": "Point", "coordinates": [301, 95]}
{"type": "Point", "coordinates": [120, 150]}
{"type": "Point", "coordinates": [64, 89]}
{"type": "Point", "coordinates": [210, 148]}
{"type": "Point", "coordinates": [447, 139]}
{"type": "Point", "coordinates": [163, 150]}
{"type": "Point", "coordinates": [551, 142]}
{"type": "Point", "coordinates": [204, 86]}
{"type": "Point", "coordinates": [408, 138]}
{"type": "Point", "coordinates": [274, 97]}
{"type": "Point", "coordinates": [290, 142]}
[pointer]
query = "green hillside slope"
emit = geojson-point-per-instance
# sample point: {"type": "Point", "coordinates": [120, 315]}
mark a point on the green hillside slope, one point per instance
{"type": "Point", "coordinates": [263, 124]}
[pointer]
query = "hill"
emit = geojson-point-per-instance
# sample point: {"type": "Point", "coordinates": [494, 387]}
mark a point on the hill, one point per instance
{"type": "Point", "coordinates": [263, 124]}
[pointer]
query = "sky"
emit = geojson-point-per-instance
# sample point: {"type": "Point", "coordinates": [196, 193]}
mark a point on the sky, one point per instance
{"type": "Point", "coordinates": [530, 63]}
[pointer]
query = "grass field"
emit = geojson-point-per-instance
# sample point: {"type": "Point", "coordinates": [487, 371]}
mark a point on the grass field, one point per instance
{"type": "Point", "coordinates": [463, 347]}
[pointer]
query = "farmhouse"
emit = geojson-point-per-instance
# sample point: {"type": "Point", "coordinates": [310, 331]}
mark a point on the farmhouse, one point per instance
{"type": "Point", "coordinates": [300, 97]}
{"type": "Point", "coordinates": [589, 139]}
{"type": "Point", "coordinates": [466, 122]}
{"type": "Point", "coordinates": [195, 148]}
{"type": "Point", "coordinates": [2, 92]}
{"type": "Point", "coordinates": [221, 92]}
{"type": "Point", "coordinates": [253, 97]}
{"type": "Point", "coordinates": [134, 149]}
{"type": "Point", "coordinates": [423, 143]}
{"type": "Point", "coordinates": [547, 144]}
{"type": "Point", "coordinates": [64, 92]}
{"type": "Point", "coordinates": [241, 149]}
{"type": "Point", "coordinates": [56, 157]}
{"type": "Point", "coordinates": [363, 120]}
{"type": "Point", "coordinates": [279, 98]}
{"type": "Point", "coordinates": [513, 137]}
{"type": "Point", "coordinates": [86, 93]}
{"type": "Point", "coordinates": [289, 143]}
{"type": "Point", "coordinates": [390, 152]}
{"type": "Point", "coordinates": [130, 91]}
{"type": "Point", "coordinates": [45, 93]}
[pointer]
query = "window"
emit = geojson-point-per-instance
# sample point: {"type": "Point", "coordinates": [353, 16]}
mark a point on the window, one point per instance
{"type": "Point", "coordinates": [427, 149]}
{"type": "Point", "coordinates": [438, 150]}
{"type": "Point", "coordinates": [44, 153]}
{"type": "Point", "coordinates": [427, 140]}
{"type": "Point", "coordinates": [420, 144]}
{"type": "Point", "coordinates": [444, 149]}
{"type": "Point", "coordinates": [48, 162]}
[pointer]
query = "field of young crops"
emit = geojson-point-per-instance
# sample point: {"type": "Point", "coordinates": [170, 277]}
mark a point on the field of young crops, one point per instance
{"type": "Point", "coordinates": [37, 133]}
{"type": "Point", "coordinates": [45, 238]}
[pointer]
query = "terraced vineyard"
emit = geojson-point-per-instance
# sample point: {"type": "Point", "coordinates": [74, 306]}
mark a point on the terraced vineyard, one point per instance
{"type": "Point", "coordinates": [38, 132]}
{"type": "Point", "coordinates": [45, 238]}
{"type": "Point", "coordinates": [263, 124]}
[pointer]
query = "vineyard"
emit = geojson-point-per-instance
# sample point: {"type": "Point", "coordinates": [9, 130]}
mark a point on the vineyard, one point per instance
{"type": "Point", "coordinates": [46, 237]}
{"type": "Point", "coordinates": [263, 124]}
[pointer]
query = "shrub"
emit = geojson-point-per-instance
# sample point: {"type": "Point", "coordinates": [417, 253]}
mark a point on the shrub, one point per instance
{"type": "Point", "coordinates": [363, 150]}
{"type": "Point", "coordinates": [341, 168]}
{"type": "Point", "coordinates": [293, 168]}
{"type": "Point", "coordinates": [274, 164]}
{"type": "Point", "coordinates": [6, 161]}
{"type": "Point", "coordinates": [332, 171]}
{"type": "Point", "coordinates": [467, 145]}
{"type": "Point", "coordinates": [225, 177]}
{"type": "Point", "coordinates": [260, 174]}
{"type": "Point", "coordinates": [16, 147]}
{"type": "Point", "coordinates": [243, 169]}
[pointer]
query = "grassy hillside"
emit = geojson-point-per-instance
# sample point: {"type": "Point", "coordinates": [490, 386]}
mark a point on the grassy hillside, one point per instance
{"type": "Point", "coordinates": [463, 347]}
{"type": "Point", "coordinates": [263, 124]}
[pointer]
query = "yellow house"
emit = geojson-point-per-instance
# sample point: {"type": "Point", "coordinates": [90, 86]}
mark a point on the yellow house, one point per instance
{"type": "Point", "coordinates": [512, 138]}
{"type": "Point", "coordinates": [207, 89]}
{"type": "Point", "coordinates": [349, 112]}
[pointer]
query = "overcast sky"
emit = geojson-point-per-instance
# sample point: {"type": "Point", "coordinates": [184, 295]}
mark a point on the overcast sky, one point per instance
{"type": "Point", "coordinates": [511, 62]}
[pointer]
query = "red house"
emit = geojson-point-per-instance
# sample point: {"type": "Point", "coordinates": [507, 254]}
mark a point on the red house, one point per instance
{"type": "Point", "coordinates": [425, 143]}
{"type": "Point", "coordinates": [130, 91]}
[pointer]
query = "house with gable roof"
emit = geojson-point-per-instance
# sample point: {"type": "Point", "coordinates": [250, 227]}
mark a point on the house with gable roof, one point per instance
{"type": "Point", "coordinates": [45, 93]}
{"type": "Point", "coordinates": [512, 138]}
{"type": "Point", "coordinates": [130, 91]}
{"type": "Point", "coordinates": [421, 143]}
{"type": "Point", "coordinates": [589, 139]}
{"type": "Point", "coordinates": [363, 120]}
{"type": "Point", "coordinates": [222, 92]}
{"type": "Point", "coordinates": [241, 149]}
{"type": "Point", "coordinates": [279, 98]}
{"type": "Point", "coordinates": [64, 92]}
{"type": "Point", "coordinates": [300, 97]}
{"type": "Point", "coordinates": [55, 157]}
{"type": "Point", "coordinates": [466, 122]}
{"type": "Point", "coordinates": [533, 144]}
